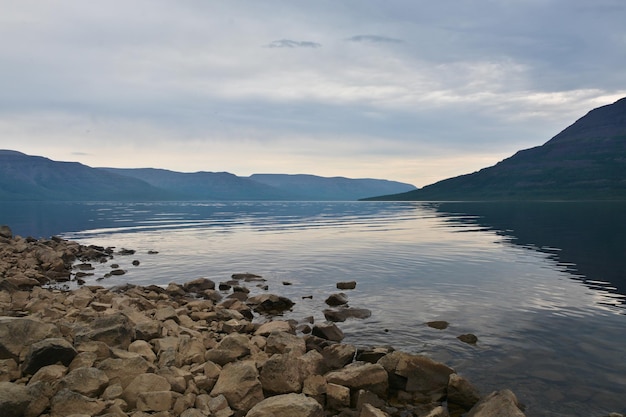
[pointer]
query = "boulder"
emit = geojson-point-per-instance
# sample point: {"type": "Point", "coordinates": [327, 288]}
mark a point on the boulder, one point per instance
{"type": "Point", "coordinates": [497, 404]}
{"type": "Point", "coordinates": [424, 379]}
{"type": "Point", "coordinates": [6, 232]}
{"type": "Point", "coordinates": [48, 352]}
{"type": "Point", "coordinates": [269, 303]}
{"type": "Point", "coordinates": [337, 396]}
{"type": "Point", "coordinates": [239, 383]}
{"type": "Point", "coordinates": [281, 374]}
{"type": "Point", "coordinates": [114, 330]}
{"type": "Point", "coordinates": [346, 285]}
{"type": "Point", "coordinates": [462, 395]}
{"type": "Point", "coordinates": [14, 399]}
{"type": "Point", "coordinates": [287, 405]}
{"type": "Point", "coordinates": [144, 383]}
{"type": "Point", "coordinates": [281, 342]}
{"type": "Point", "coordinates": [342, 314]}
{"type": "Point", "coordinates": [360, 375]}
{"type": "Point", "coordinates": [338, 355]}
{"type": "Point", "coordinates": [337, 299]}
{"type": "Point", "coordinates": [369, 410]}
{"type": "Point", "coordinates": [328, 331]}
{"type": "Point", "coordinates": [155, 400]}
{"type": "Point", "coordinates": [8, 370]}
{"type": "Point", "coordinates": [438, 324]}
{"type": "Point", "coordinates": [18, 333]}
{"type": "Point", "coordinates": [468, 338]}
{"type": "Point", "coordinates": [231, 348]}
{"type": "Point", "coordinates": [90, 382]}
{"type": "Point", "coordinates": [49, 374]}
{"type": "Point", "coordinates": [66, 403]}
{"type": "Point", "coordinates": [275, 326]}
{"type": "Point", "coordinates": [123, 371]}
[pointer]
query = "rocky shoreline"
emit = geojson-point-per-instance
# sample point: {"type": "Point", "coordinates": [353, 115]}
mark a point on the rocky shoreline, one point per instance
{"type": "Point", "coordinates": [195, 349]}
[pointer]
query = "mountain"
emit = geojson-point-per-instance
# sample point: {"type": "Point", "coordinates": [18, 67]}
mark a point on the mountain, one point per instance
{"type": "Point", "coordinates": [311, 187]}
{"type": "Point", "coordinates": [586, 161]}
{"type": "Point", "coordinates": [35, 178]}
{"type": "Point", "coordinates": [25, 177]}
{"type": "Point", "coordinates": [204, 185]}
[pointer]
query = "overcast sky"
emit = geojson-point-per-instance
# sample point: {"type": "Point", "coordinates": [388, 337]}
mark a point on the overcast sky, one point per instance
{"type": "Point", "coordinates": [414, 91]}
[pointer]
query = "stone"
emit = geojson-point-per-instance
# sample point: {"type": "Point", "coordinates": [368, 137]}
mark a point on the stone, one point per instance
{"type": "Point", "coordinates": [337, 299]}
{"type": "Point", "coordinates": [48, 352]}
{"type": "Point", "coordinates": [468, 338]}
{"type": "Point", "coordinates": [342, 314]}
{"type": "Point", "coordinates": [66, 403]}
{"type": "Point", "coordinates": [6, 232]}
{"type": "Point", "coordinates": [439, 411]}
{"type": "Point", "coordinates": [90, 382]}
{"type": "Point", "coordinates": [155, 400]}
{"type": "Point", "coordinates": [328, 331]}
{"type": "Point", "coordinates": [114, 330]}
{"type": "Point", "coordinates": [41, 392]}
{"type": "Point", "coordinates": [275, 326]}
{"type": "Point", "coordinates": [287, 405]}
{"type": "Point", "coordinates": [425, 379]}
{"type": "Point", "coordinates": [281, 342]}
{"type": "Point", "coordinates": [269, 304]}
{"type": "Point", "coordinates": [147, 382]}
{"type": "Point", "coordinates": [14, 399]}
{"type": "Point", "coordinates": [501, 403]}
{"type": "Point", "coordinates": [239, 383]}
{"type": "Point", "coordinates": [48, 374]}
{"type": "Point", "coordinates": [8, 370]}
{"type": "Point", "coordinates": [166, 313]}
{"type": "Point", "coordinates": [346, 285]}
{"type": "Point", "coordinates": [281, 374]}
{"type": "Point", "coordinates": [338, 355]}
{"type": "Point", "coordinates": [367, 397]}
{"type": "Point", "coordinates": [144, 349]}
{"type": "Point", "coordinates": [461, 394]}
{"type": "Point", "coordinates": [360, 375]}
{"type": "Point", "coordinates": [19, 333]}
{"type": "Point", "coordinates": [438, 324]}
{"type": "Point", "coordinates": [369, 410]}
{"type": "Point", "coordinates": [312, 363]}
{"type": "Point", "coordinates": [199, 285]}
{"type": "Point", "coordinates": [231, 348]}
{"type": "Point", "coordinates": [123, 371]}
{"type": "Point", "coordinates": [337, 396]}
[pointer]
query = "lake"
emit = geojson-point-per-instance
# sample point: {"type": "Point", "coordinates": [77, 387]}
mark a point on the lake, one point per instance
{"type": "Point", "coordinates": [542, 285]}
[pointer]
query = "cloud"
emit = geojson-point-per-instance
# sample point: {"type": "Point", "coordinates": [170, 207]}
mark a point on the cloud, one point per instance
{"type": "Point", "coordinates": [374, 39]}
{"type": "Point", "coordinates": [288, 43]}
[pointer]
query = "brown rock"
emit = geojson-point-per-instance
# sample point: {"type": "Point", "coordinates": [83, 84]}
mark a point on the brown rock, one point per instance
{"type": "Point", "coordinates": [18, 333]}
{"type": "Point", "coordinates": [123, 371]}
{"type": "Point", "coordinates": [438, 324]}
{"type": "Point", "coordinates": [144, 383]}
{"type": "Point", "coordinates": [281, 342]}
{"type": "Point", "coordinates": [461, 395]}
{"type": "Point", "coordinates": [287, 405]}
{"type": "Point", "coordinates": [48, 352]}
{"type": "Point", "coordinates": [328, 331]}
{"type": "Point", "coordinates": [14, 399]}
{"type": "Point", "coordinates": [337, 299]}
{"type": "Point", "coordinates": [468, 338]}
{"type": "Point", "coordinates": [359, 375]}
{"type": "Point", "coordinates": [155, 400]}
{"type": "Point", "coordinates": [269, 303]}
{"type": "Point", "coordinates": [90, 382]}
{"type": "Point", "coordinates": [346, 285]}
{"type": "Point", "coordinates": [114, 330]}
{"type": "Point", "coordinates": [497, 404]}
{"type": "Point", "coordinates": [66, 403]}
{"type": "Point", "coordinates": [369, 410]}
{"type": "Point", "coordinates": [199, 285]}
{"type": "Point", "coordinates": [231, 348]}
{"type": "Point", "coordinates": [337, 396]}
{"type": "Point", "coordinates": [281, 374]}
{"type": "Point", "coordinates": [239, 383]}
{"type": "Point", "coordinates": [338, 355]}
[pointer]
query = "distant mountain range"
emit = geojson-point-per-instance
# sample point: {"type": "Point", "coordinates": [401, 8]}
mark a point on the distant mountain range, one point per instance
{"type": "Point", "coordinates": [35, 178]}
{"type": "Point", "coordinates": [586, 161]}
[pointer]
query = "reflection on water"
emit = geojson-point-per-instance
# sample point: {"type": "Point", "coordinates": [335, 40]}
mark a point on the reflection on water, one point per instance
{"type": "Point", "coordinates": [540, 285]}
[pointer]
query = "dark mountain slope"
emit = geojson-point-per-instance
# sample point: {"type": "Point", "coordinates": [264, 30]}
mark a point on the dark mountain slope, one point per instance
{"type": "Point", "coordinates": [204, 185]}
{"type": "Point", "coordinates": [25, 177]}
{"type": "Point", "coordinates": [586, 161]}
{"type": "Point", "coordinates": [312, 187]}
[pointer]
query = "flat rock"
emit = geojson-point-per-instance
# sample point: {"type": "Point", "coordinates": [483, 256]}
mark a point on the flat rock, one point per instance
{"type": "Point", "coordinates": [287, 405]}
{"type": "Point", "coordinates": [342, 314]}
{"type": "Point", "coordinates": [360, 375]}
{"type": "Point", "coordinates": [346, 285]}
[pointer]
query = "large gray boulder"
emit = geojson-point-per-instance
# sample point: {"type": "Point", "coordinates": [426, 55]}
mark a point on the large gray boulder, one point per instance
{"type": "Point", "coordinates": [421, 378]}
{"type": "Point", "coordinates": [17, 334]}
{"type": "Point", "coordinates": [361, 375]}
{"type": "Point", "coordinates": [48, 352]}
{"type": "Point", "coordinates": [497, 404]}
{"type": "Point", "coordinates": [287, 405]}
{"type": "Point", "coordinates": [14, 399]}
{"type": "Point", "coordinates": [239, 383]}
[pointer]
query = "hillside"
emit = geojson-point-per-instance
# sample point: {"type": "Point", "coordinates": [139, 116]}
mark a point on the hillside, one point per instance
{"type": "Point", "coordinates": [312, 187]}
{"type": "Point", "coordinates": [25, 177]}
{"type": "Point", "coordinates": [35, 178]}
{"type": "Point", "coordinates": [586, 161]}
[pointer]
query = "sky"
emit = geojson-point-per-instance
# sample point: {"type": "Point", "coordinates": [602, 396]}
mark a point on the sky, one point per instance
{"type": "Point", "coordinates": [408, 90]}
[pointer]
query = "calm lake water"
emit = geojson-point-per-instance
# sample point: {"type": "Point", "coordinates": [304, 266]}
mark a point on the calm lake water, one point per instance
{"type": "Point", "coordinates": [542, 285]}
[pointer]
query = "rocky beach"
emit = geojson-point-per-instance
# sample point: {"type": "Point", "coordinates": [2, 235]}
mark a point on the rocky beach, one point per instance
{"type": "Point", "coordinates": [198, 348]}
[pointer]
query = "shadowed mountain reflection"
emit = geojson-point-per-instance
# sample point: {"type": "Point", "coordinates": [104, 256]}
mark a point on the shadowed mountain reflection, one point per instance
{"type": "Point", "coordinates": [588, 239]}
